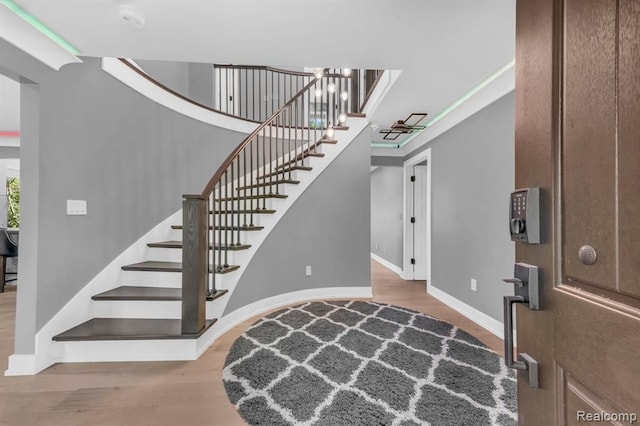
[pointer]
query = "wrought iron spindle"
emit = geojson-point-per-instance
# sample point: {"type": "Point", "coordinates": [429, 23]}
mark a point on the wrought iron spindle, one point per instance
{"type": "Point", "coordinates": [264, 167]}
{"type": "Point", "coordinates": [226, 209]}
{"type": "Point", "coordinates": [239, 206]}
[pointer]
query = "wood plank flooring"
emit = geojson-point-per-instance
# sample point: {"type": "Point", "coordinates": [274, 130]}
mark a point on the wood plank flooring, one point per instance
{"type": "Point", "coordinates": [162, 393]}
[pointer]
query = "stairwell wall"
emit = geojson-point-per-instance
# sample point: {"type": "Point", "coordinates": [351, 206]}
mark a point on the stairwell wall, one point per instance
{"type": "Point", "coordinates": [99, 141]}
{"type": "Point", "coordinates": [327, 228]}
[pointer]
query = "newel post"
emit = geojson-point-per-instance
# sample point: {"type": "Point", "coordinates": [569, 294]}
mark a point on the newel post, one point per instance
{"type": "Point", "coordinates": [195, 267]}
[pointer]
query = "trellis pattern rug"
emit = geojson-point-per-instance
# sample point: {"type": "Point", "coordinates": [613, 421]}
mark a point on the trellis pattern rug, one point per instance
{"type": "Point", "coordinates": [363, 363]}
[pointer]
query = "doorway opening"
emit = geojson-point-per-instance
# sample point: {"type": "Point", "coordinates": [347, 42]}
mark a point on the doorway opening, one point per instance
{"type": "Point", "coordinates": [417, 217]}
{"type": "Point", "coordinates": [9, 179]}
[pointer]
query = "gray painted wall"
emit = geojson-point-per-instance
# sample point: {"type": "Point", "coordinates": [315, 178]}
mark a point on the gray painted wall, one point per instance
{"type": "Point", "coordinates": [472, 176]}
{"type": "Point", "coordinates": [201, 87]}
{"type": "Point", "coordinates": [174, 75]}
{"type": "Point", "coordinates": [328, 228]}
{"type": "Point", "coordinates": [386, 214]}
{"type": "Point", "coordinates": [193, 80]}
{"type": "Point", "coordinates": [387, 161]}
{"type": "Point", "coordinates": [99, 141]}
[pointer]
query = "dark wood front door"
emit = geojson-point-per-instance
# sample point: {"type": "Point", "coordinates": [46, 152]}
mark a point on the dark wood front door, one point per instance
{"type": "Point", "coordinates": [578, 139]}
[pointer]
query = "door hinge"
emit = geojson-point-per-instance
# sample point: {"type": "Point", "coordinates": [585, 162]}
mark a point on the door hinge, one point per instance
{"type": "Point", "coordinates": [413, 261]}
{"type": "Point", "coordinates": [413, 178]}
{"type": "Point", "coordinates": [413, 220]}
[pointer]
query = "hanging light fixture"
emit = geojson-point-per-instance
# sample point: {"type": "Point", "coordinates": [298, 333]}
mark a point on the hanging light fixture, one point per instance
{"type": "Point", "coordinates": [342, 118]}
{"type": "Point", "coordinates": [344, 95]}
{"type": "Point", "coordinates": [331, 87]}
{"type": "Point", "coordinates": [319, 73]}
{"type": "Point", "coordinates": [318, 93]}
{"type": "Point", "coordinates": [346, 72]}
{"type": "Point", "coordinates": [330, 132]}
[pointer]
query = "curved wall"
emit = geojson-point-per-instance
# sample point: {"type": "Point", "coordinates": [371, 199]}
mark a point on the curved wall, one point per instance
{"type": "Point", "coordinates": [130, 158]}
{"type": "Point", "coordinates": [328, 228]}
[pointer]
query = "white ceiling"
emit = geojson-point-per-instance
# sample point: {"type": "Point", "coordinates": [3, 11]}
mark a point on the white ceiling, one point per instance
{"type": "Point", "coordinates": [443, 47]}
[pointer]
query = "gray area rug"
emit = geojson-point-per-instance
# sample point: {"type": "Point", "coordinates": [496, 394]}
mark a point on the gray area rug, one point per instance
{"type": "Point", "coordinates": [363, 363]}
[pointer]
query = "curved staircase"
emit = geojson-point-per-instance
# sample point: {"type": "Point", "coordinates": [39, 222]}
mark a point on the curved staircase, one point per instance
{"type": "Point", "coordinates": [169, 301]}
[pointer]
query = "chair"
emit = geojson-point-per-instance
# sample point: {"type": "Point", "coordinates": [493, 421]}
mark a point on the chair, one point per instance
{"type": "Point", "coordinates": [8, 248]}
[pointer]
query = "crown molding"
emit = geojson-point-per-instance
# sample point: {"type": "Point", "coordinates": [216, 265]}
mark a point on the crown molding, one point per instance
{"type": "Point", "coordinates": [29, 39]}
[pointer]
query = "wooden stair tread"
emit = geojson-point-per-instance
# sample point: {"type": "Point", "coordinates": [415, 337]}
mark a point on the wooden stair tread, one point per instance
{"type": "Point", "coordinates": [325, 140]}
{"type": "Point", "coordinates": [285, 170]}
{"type": "Point", "coordinates": [276, 182]}
{"type": "Point", "coordinates": [241, 211]}
{"type": "Point", "coordinates": [147, 294]}
{"type": "Point", "coordinates": [128, 329]}
{"type": "Point", "coordinates": [298, 158]}
{"type": "Point", "coordinates": [228, 228]}
{"type": "Point", "coordinates": [357, 114]}
{"type": "Point", "coordinates": [251, 197]}
{"type": "Point", "coordinates": [178, 245]}
{"type": "Point", "coordinates": [239, 228]}
{"type": "Point", "coordinates": [156, 266]}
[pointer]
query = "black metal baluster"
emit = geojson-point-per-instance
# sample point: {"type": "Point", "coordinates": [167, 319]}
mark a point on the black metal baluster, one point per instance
{"type": "Point", "coordinates": [226, 210]}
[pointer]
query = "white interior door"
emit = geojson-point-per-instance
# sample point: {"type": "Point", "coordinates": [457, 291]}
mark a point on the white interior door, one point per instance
{"type": "Point", "coordinates": [417, 218]}
{"type": "Point", "coordinates": [419, 222]}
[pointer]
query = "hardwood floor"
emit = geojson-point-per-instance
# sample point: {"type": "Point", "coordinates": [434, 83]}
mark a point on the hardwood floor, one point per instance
{"type": "Point", "coordinates": [163, 393]}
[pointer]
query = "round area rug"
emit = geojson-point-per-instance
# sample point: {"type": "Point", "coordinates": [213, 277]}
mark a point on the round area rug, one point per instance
{"type": "Point", "coordinates": [362, 363]}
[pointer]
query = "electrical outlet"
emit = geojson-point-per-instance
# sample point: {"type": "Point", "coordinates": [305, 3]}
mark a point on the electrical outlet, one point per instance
{"type": "Point", "coordinates": [474, 284]}
{"type": "Point", "coordinates": [308, 270]}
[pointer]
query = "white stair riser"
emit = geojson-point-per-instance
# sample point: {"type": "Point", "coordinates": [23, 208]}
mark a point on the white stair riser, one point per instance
{"type": "Point", "coordinates": [232, 219]}
{"type": "Point", "coordinates": [269, 203]}
{"type": "Point", "coordinates": [125, 350]}
{"type": "Point", "coordinates": [175, 255]}
{"type": "Point", "coordinates": [156, 309]}
{"type": "Point", "coordinates": [151, 279]}
{"type": "Point", "coordinates": [164, 279]}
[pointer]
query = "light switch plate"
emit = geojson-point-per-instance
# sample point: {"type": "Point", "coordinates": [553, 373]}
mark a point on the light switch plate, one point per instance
{"type": "Point", "coordinates": [76, 207]}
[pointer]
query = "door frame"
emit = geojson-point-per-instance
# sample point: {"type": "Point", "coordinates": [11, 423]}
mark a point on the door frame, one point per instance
{"type": "Point", "coordinates": [407, 201]}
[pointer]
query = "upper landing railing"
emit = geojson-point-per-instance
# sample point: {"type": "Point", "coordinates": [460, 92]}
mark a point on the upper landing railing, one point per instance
{"type": "Point", "coordinates": [256, 92]}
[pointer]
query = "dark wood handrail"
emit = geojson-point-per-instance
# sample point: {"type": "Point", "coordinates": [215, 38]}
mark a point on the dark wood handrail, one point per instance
{"type": "Point", "coordinates": [174, 93]}
{"type": "Point", "coordinates": [223, 167]}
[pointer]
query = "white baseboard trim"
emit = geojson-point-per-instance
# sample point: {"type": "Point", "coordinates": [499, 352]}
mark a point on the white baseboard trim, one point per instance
{"type": "Point", "coordinates": [242, 314]}
{"type": "Point", "coordinates": [127, 350]}
{"type": "Point", "coordinates": [480, 318]}
{"type": "Point", "coordinates": [21, 365]}
{"type": "Point", "coordinates": [390, 266]}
